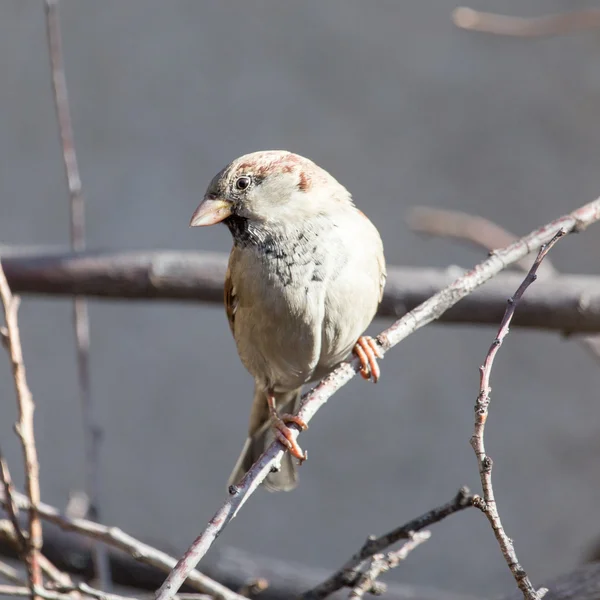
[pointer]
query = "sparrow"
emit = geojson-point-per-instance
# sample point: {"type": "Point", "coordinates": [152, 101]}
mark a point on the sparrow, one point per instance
{"type": "Point", "coordinates": [305, 277]}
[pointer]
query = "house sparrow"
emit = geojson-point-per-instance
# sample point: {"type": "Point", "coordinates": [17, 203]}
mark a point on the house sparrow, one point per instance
{"type": "Point", "coordinates": [306, 274]}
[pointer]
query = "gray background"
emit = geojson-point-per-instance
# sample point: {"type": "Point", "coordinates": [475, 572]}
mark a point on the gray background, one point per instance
{"type": "Point", "coordinates": [404, 109]}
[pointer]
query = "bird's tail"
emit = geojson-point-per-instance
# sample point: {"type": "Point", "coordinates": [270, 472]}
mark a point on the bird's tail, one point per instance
{"type": "Point", "coordinates": [260, 436]}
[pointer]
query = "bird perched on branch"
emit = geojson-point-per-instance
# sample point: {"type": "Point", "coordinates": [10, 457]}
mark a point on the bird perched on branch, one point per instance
{"type": "Point", "coordinates": [305, 277]}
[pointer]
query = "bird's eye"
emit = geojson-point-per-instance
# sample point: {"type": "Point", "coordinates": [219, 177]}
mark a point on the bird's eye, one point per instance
{"type": "Point", "coordinates": [242, 183]}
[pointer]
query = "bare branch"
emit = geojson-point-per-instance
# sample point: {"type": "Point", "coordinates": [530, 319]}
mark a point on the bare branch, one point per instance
{"type": "Point", "coordinates": [315, 399]}
{"type": "Point", "coordinates": [478, 231]}
{"type": "Point", "coordinates": [487, 504]}
{"type": "Point", "coordinates": [488, 235]}
{"type": "Point", "coordinates": [91, 429]}
{"type": "Point", "coordinates": [115, 537]}
{"type": "Point", "coordinates": [567, 304]}
{"type": "Point", "coordinates": [350, 574]}
{"type": "Point", "coordinates": [381, 563]}
{"type": "Point", "coordinates": [24, 429]}
{"type": "Point", "coordinates": [66, 593]}
{"type": "Point", "coordinates": [9, 532]}
{"type": "Point", "coordinates": [234, 568]}
{"type": "Point", "coordinates": [11, 507]}
{"type": "Point", "coordinates": [474, 20]}
{"type": "Point", "coordinates": [11, 574]}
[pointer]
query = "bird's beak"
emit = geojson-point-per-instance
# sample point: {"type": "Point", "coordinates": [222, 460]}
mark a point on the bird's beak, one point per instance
{"type": "Point", "coordinates": [211, 210]}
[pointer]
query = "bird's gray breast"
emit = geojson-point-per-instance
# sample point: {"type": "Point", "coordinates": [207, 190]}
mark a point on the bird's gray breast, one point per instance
{"type": "Point", "coordinates": [281, 285]}
{"type": "Point", "coordinates": [299, 262]}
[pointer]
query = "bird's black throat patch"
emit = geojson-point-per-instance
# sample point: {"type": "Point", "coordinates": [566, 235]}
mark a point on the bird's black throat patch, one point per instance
{"type": "Point", "coordinates": [293, 259]}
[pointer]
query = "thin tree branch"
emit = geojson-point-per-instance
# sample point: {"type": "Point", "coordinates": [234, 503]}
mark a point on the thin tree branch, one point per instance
{"type": "Point", "coordinates": [66, 593]}
{"type": "Point", "coordinates": [24, 430]}
{"type": "Point", "coordinates": [232, 567]}
{"type": "Point", "coordinates": [464, 227]}
{"type": "Point", "coordinates": [381, 563]}
{"type": "Point", "coordinates": [484, 234]}
{"type": "Point", "coordinates": [567, 303]}
{"type": "Point", "coordinates": [487, 504]}
{"type": "Point", "coordinates": [11, 574]}
{"type": "Point", "coordinates": [90, 592]}
{"type": "Point", "coordinates": [91, 429]}
{"type": "Point", "coordinates": [115, 537]}
{"type": "Point", "coordinates": [350, 575]}
{"type": "Point", "coordinates": [11, 507]}
{"type": "Point", "coordinates": [314, 400]}
{"type": "Point", "coordinates": [9, 532]}
{"type": "Point", "coordinates": [475, 20]}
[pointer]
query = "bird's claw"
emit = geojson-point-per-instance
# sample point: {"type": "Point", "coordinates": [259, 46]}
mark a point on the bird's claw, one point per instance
{"type": "Point", "coordinates": [368, 351]}
{"type": "Point", "coordinates": [285, 437]}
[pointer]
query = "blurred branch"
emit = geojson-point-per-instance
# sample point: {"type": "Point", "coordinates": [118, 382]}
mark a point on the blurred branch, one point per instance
{"type": "Point", "coordinates": [66, 593]}
{"type": "Point", "coordinates": [24, 431]}
{"type": "Point", "coordinates": [115, 537]}
{"type": "Point", "coordinates": [11, 574]}
{"type": "Point", "coordinates": [480, 232]}
{"type": "Point", "coordinates": [488, 235]}
{"type": "Point", "coordinates": [12, 509]}
{"type": "Point", "coordinates": [430, 310]}
{"type": "Point", "coordinates": [357, 572]}
{"type": "Point", "coordinates": [232, 567]}
{"type": "Point", "coordinates": [9, 531]}
{"type": "Point", "coordinates": [488, 504]}
{"type": "Point", "coordinates": [567, 303]}
{"type": "Point", "coordinates": [91, 429]}
{"type": "Point", "coordinates": [475, 20]}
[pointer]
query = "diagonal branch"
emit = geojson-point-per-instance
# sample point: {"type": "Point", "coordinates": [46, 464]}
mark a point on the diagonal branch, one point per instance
{"type": "Point", "coordinates": [315, 399]}
{"type": "Point", "coordinates": [475, 20]}
{"type": "Point", "coordinates": [350, 574]}
{"type": "Point", "coordinates": [11, 574]}
{"type": "Point", "coordinates": [11, 507]}
{"type": "Point", "coordinates": [381, 563]}
{"type": "Point", "coordinates": [488, 235]}
{"type": "Point", "coordinates": [66, 593]}
{"type": "Point", "coordinates": [24, 430]}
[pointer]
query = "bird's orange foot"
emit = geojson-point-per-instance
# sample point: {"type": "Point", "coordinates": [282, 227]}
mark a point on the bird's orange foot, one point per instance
{"type": "Point", "coordinates": [284, 434]}
{"type": "Point", "coordinates": [368, 352]}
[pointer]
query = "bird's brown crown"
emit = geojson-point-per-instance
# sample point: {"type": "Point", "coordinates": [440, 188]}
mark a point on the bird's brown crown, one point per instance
{"type": "Point", "coordinates": [270, 162]}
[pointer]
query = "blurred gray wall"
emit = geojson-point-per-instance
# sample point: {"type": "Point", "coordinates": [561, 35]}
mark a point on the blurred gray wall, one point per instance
{"type": "Point", "coordinates": [404, 109]}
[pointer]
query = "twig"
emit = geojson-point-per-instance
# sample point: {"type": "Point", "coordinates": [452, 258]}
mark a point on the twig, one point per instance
{"type": "Point", "coordinates": [381, 563]}
{"type": "Point", "coordinates": [91, 429]}
{"type": "Point", "coordinates": [91, 592]}
{"type": "Point", "coordinates": [567, 304]}
{"type": "Point", "coordinates": [66, 593]}
{"type": "Point", "coordinates": [115, 537]}
{"type": "Point", "coordinates": [17, 590]}
{"type": "Point", "coordinates": [24, 430]}
{"type": "Point", "coordinates": [474, 20]}
{"type": "Point", "coordinates": [485, 234]}
{"type": "Point", "coordinates": [234, 568]}
{"type": "Point", "coordinates": [11, 574]}
{"type": "Point", "coordinates": [462, 226]}
{"type": "Point", "coordinates": [54, 574]}
{"type": "Point", "coordinates": [11, 506]}
{"type": "Point", "coordinates": [349, 575]}
{"type": "Point", "coordinates": [487, 504]}
{"type": "Point", "coordinates": [314, 400]}
{"type": "Point", "coordinates": [9, 532]}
